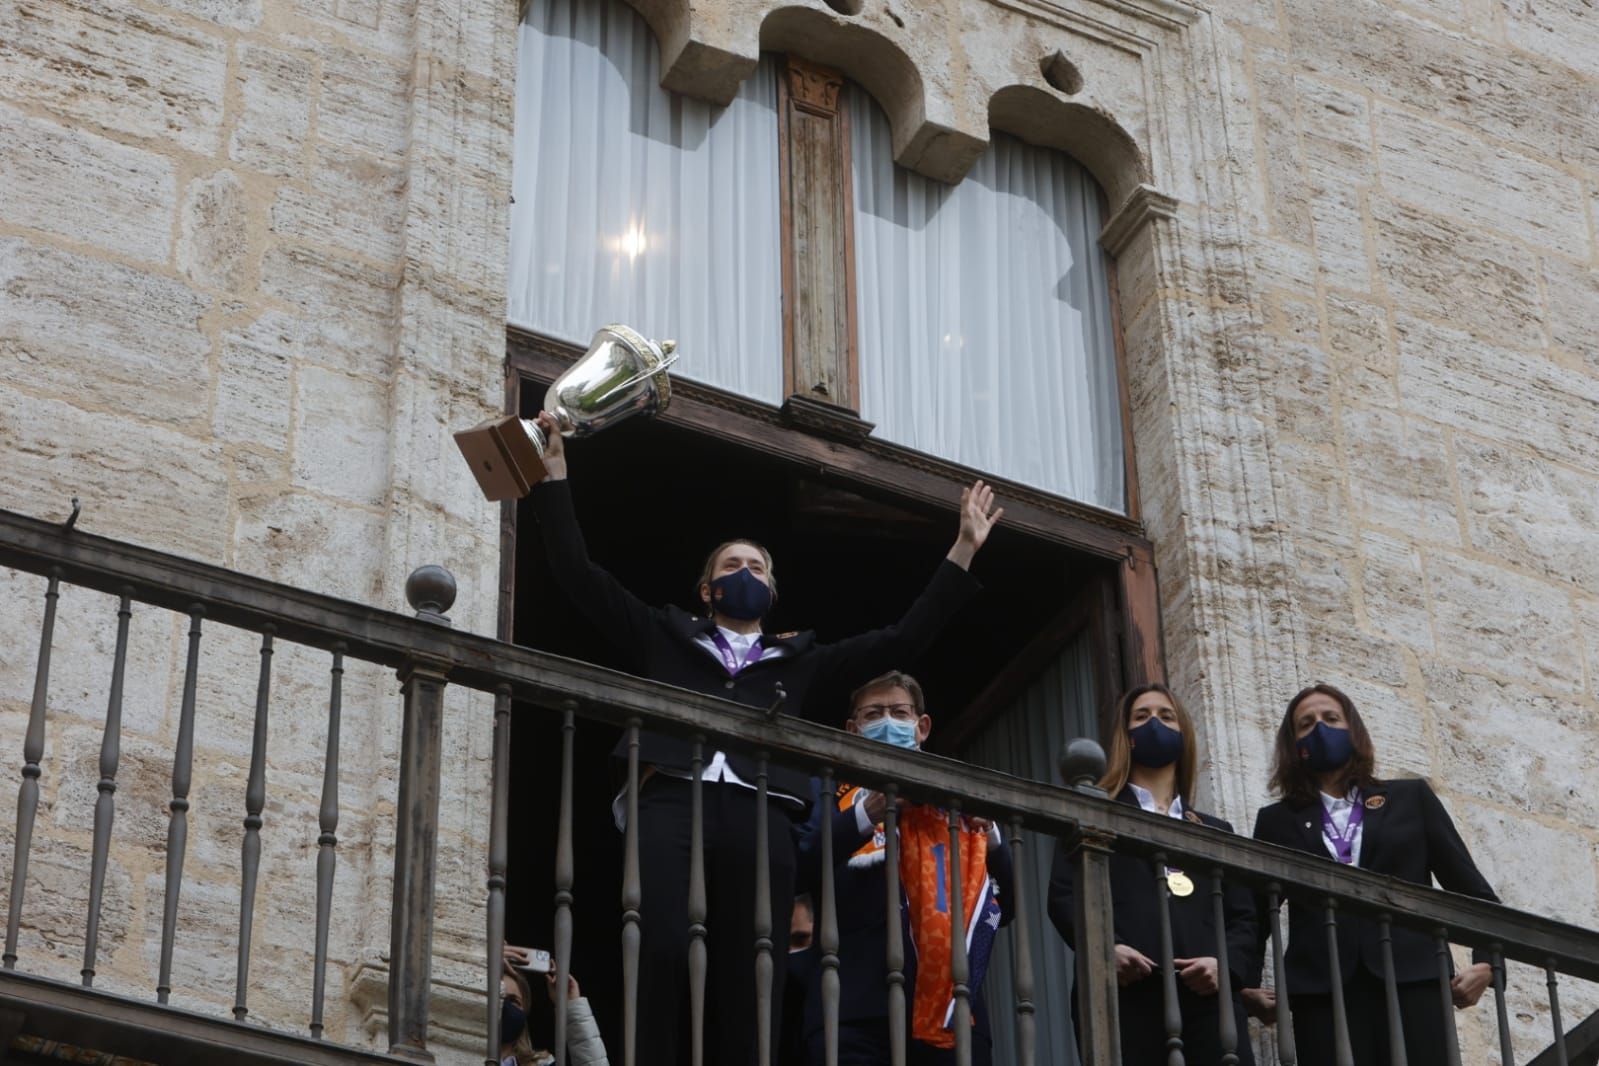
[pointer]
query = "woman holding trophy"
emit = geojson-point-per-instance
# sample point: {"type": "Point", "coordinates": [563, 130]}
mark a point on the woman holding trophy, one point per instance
{"type": "Point", "coordinates": [723, 652]}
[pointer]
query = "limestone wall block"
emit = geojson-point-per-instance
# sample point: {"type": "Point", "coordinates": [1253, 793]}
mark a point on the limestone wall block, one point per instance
{"type": "Point", "coordinates": [347, 307]}
{"type": "Point", "coordinates": [362, 104]}
{"type": "Point", "coordinates": [1509, 744]}
{"type": "Point", "coordinates": [1337, 132]}
{"type": "Point", "coordinates": [312, 543]}
{"type": "Point", "coordinates": [1400, 473]}
{"type": "Point", "coordinates": [1477, 85]}
{"type": "Point", "coordinates": [1302, 385]}
{"type": "Point", "coordinates": [1563, 31]}
{"type": "Point", "coordinates": [137, 480]}
{"type": "Point", "coordinates": [119, 67]}
{"type": "Point", "coordinates": [341, 435]}
{"type": "Point", "coordinates": [353, 202]}
{"type": "Point", "coordinates": [1501, 621]}
{"type": "Point", "coordinates": [1500, 394]}
{"type": "Point", "coordinates": [1362, 354]}
{"type": "Point", "coordinates": [86, 188]}
{"type": "Point", "coordinates": [233, 14]}
{"type": "Point", "coordinates": [1284, 161]}
{"type": "Point", "coordinates": [1531, 512]}
{"type": "Point", "coordinates": [254, 388]}
{"type": "Point", "coordinates": [1588, 620]}
{"type": "Point", "coordinates": [1394, 592]}
{"type": "Point", "coordinates": [1571, 293]}
{"type": "Point", "coordinates": [1449, 272]}
{"type": "Point", "coordinates": [383, 27]}
{"type": "Point", "coordinates": [1434, 166]}
{"type": "Point", "coordinates": [101, 334]}
{"type": "Point", "coordinates": [274, 88]}
{"type": "Point", "coordinates": [213, 248]}
{"type": "Point", "coordinates": [1341, 246]}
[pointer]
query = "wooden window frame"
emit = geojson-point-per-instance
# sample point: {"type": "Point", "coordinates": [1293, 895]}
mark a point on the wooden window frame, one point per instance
{"type": "Point", "coordinates": [819, 427]}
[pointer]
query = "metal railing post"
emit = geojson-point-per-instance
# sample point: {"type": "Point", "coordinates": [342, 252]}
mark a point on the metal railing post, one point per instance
{"type": "Point", "coordinates": [431, 591]}
{"type": "Point", "coordinates": [1098, 1010]}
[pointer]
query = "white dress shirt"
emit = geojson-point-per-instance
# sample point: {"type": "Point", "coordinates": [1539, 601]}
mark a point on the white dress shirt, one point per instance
{"type": "Point", "coordinates": [1339, 810]}
{"type": "Point", "coordinates": [716, 769]}
{"type": "Point", "coordinates": [1146, 800]}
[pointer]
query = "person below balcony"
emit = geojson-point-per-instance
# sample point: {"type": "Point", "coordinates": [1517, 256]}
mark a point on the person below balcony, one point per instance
{"type": "Point", "coordinates": [725, 653]}
{"type": "Point", "coordinates": [1151, 765]}
{"type": "Point", "coordinates": [1334, 807]}
{"type": "Point", "coordinates": [892, 709]}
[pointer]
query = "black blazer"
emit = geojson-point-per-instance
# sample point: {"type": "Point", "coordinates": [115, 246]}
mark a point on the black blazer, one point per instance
{"type": "Point", "coordinates": [862, 916]}
{"type": "Point", "coordinates": [1137, 921]}
{"type": "Point", "coordinates": [1405, 833]}
{"type": "Point", "coordinates": [658, 643]}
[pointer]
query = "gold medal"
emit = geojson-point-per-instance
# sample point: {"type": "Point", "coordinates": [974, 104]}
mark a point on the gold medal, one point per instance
{"type": "Point", "coordinates": [1179, 883]}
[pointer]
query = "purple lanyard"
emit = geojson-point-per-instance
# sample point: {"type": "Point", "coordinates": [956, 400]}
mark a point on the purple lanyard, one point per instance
{"type": "Point", "coordinates": [729, 660]}
{"type": "Point", "coordinates": [1344, 843]}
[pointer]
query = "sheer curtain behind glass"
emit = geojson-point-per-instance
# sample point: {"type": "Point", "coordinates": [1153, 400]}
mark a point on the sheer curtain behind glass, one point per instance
{"type": "Point", "coordinates": [637, 205]}
{"type": "Point", "coordinates": [1026, 740]}
{"type": "Point", "coordinates": [984, 310]}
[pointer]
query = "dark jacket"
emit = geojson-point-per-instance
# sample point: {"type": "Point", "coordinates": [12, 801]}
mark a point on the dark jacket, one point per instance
{"type": "Point", "coordinates": [1193, 924]}
{"type": "Point", "coordinates": [862, 916]}
{"type": "Point", "coordinates": [658, 643]}
{"type": "Point", "coordinates": [1405, 833]}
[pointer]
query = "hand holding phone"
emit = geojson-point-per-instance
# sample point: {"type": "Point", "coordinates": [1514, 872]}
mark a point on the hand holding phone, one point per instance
{"type": "Point", "coordinates": [529, 960]}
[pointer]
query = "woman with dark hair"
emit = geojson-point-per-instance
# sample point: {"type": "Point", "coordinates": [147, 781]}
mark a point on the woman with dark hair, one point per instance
{"type": "Point", "coordinates": [1333, 805]}
{"type": "Point", "coordinates": [1151, 765]}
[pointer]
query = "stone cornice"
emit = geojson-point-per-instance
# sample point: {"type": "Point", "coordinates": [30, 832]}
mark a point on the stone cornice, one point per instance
{"type": "Point", "coordinates": [1144, 206]}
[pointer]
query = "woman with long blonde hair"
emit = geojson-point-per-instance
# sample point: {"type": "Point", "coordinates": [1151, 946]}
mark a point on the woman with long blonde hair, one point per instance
{"type": "Point", "coordinates": [1150, 764]}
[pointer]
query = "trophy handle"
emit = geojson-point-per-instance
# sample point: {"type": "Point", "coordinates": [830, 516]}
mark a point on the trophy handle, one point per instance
{"type": "Point", "coordinates": [642, 375]}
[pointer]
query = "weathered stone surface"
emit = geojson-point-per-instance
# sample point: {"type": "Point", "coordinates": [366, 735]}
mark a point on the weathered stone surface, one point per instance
{"type": "Point", "coordinates": [1432, 165]}
{"type": "Point", "coordinates": [341, 437]}
{"type": "Point", "coordinates": [1285, 164]}
{"type": "Point", "coordinates": [1399, 473]}
{"type": "Point", "coordinates": [1341, 246]}
{"type": "Point", "coordinates": [353, 202]}
{"type": "Point", "coordinates": [254, 393]}
{"type": "Point", "coordinates": [69, 182]}
{"type": "Point", "coordinates": [1559, 29]}
{"type": "Point", "coordinates": [1506, 844]}
{"type": "Point", "coordinates": [1531, 512]}
{"type": "Point", "coordinates": [1448, 272]}
{"type": "Point", "coordinates": [1500, 621]}
{"type": "Point", "coordinates": [1337, 131]}
{"type": "Point", "coordinates": [141, 481]}
{"type": "Point", "coordinates": [347, 307]}
{"type": "Point", "coordinates": [1572, 293]}
{"type": "Point", "coordinates": [120, 67]}
{"type": "Point", "coordinates": [362, 104]}
{"type": "Point", "coordinates": [303, 540]}
{"type": "Point", "coordinates": [213, 249]}
{"type": "Point", "coordinates": [102, 333]}
{"type": "Point", "coordinates": [234, 14]}
{"type": "Point", "coordinates": [1363, 364]}
{"type": "Point", "coordinates": [1510, 744]}
{"type": "Point", "coordinates": [1498, 393]}
{"type": "Point", "coordinates": [275, 87]}
{"type": "Point", "coordinates": [1394, 592]}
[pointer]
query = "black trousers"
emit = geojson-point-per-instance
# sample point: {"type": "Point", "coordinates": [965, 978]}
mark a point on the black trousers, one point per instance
{"type": "Point", "coordinates": [730, 1000]}
{"type": "Point", "coordinates": [1421, 1012]}
{"type": "Point", "coordinates": [1141, 1010]}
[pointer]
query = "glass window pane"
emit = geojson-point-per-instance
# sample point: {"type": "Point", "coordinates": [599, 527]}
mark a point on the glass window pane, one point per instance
{"type": "Point", "coordinates": [639, 206]}
{"type": "Point", "coordinates": [984, 310]}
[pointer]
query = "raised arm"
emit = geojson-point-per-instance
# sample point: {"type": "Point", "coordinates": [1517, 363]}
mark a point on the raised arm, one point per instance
{"type": "Point", "coordinates": [625, 619]}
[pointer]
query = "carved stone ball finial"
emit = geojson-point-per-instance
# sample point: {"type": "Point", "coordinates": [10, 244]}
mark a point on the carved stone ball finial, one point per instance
{"type": "Point", "coordinates": [1082, 763]}
{"type": "Point", "coordinates": [430, 590]}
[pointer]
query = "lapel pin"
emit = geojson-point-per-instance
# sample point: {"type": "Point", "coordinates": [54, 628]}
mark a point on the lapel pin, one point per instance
{"type": "Point", "coordinates": [1375, 803]}
{"type": "Point", "coordinates": [1307, 825]}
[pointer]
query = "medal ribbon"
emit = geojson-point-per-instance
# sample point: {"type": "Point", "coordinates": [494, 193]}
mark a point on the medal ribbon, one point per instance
{"type": "Point", "coordinates": [729, 660]}
{"type": "Point", "coordinates": [1344, 842]}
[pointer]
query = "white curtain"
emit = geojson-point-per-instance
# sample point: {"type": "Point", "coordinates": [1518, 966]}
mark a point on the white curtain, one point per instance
{"type": "Point", "coordinates": [984, 310]}
{"type": "Point", "coordinates": [639, 206]}
{"type": "Point", "coordinates": [1025, 741]}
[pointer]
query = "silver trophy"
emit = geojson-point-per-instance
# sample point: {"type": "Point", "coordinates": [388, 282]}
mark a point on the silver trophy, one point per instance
{"type": "Point", "coordinates": [621, 375]}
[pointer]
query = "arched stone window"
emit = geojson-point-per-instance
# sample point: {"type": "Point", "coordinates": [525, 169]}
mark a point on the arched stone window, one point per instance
{"type": "Point", "coordinates": [986, 334]}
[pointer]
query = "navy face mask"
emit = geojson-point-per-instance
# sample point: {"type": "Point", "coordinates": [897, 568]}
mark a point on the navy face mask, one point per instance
{"type": "Point", "coordinates": [1155, 744]}
{"type": "Point", "coordinates": [513, 1020]}
{"type": "Point", "coordinates": [1325, 748]}
{"type": "Point", "coordinates": [741, 595]}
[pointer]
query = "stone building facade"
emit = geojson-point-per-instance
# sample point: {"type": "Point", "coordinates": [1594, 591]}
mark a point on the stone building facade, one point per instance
{"type": "Point", "coordinates": [252, 275]}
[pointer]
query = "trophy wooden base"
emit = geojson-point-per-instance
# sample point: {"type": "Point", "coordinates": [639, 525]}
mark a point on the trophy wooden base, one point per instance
{"type": "Point", "coordinates": [505, 457]}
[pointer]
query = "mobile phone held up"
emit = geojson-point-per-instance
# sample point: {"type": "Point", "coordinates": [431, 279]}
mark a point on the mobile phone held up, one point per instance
{"type": "Point", "coordinates": [537, 960]}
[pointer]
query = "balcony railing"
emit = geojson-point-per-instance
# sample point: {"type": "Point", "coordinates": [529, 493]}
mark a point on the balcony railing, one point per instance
{"type": "Point", "coordinates": [428, 656]}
